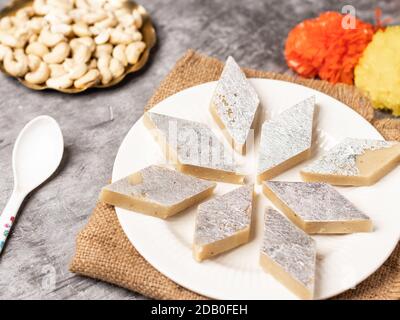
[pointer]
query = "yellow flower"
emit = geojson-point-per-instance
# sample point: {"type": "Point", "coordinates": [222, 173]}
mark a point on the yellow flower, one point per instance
{"type": "Point", "coordinates": [378, 71]}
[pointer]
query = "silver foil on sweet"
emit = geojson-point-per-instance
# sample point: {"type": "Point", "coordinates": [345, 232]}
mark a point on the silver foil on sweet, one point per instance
{"type": "Point", "coordinates": [342, 158]}
{"type": "Point", "coordinates": [224, 215]}
{"type": "Point", "coordinates": [160, 185]}
{"type": "Point", "coordinates": [235, 101]}
{"type": "Point", "coordinates": [287, 135]}
{"type": "Point", "coordinates": [315, 201]}
{"type": "Point", "coordinates": [289, 247]}
{"type": "Point", "coordinates": [194, 143]}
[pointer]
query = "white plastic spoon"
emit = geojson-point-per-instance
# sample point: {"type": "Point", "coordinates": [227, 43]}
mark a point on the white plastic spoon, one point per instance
{"type": "Point", "coordinates": [36, 155]}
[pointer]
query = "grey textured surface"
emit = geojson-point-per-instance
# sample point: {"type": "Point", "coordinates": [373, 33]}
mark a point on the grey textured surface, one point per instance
{"type": "Point", "coordinates": [36, 257]}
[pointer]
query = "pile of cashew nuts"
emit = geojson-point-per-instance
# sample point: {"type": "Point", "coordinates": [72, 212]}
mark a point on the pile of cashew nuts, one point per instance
{"type": "Point", "coordinates": [71, 43]}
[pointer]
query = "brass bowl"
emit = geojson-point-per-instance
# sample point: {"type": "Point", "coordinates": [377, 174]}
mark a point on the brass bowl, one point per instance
{"type": "Point", "coordinates": [147, 30]}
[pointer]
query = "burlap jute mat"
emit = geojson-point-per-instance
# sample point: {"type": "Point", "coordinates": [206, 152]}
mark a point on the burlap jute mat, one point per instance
{"type": "Point", "coordinates": [104, 252]}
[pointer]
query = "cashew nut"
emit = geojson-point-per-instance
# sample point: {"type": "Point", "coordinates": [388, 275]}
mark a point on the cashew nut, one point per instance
{"type": "Point", "coordinates": [56, 70]}
{"type": "Point", "coordinates": [90, 77]}
{"type": "Point", "coordinates": [134, 50]}
{"type": "Point", "coordinates": [81, 53]}
{"type": "Point", "coordinates": [116, 68]}
{"type": "Point", "coordinates": [119, 53]}
{"type": "Point", "coordinates": [5, 23]}
{"type": "Point", "coordinates": [117, 3]}
{"type": "Point", "coordinates": [33, 62]}
{"type": "Point", "coordinates": [27, 11]}
{"type": "Point", "coordinates": [89, 42]}
{"type": "Point", "coordinates": [126, 20]}
{"type": "Point", "coordinates": [40, 7]}
{"type": "Point", "coordinates": [23, 34]}
{"type": "Point", "coordinates": [68, 64]}
{"type": "Point", "coordinates": [118, 36]}
{"type": "Point", "coordinates": [95, 30]}
{"type": "Point", "coordinates": [61, 82]}
{"type": "Point", "coordinates": [109, 22]}
{"type": "Point", "coordinates": [63, 5]}
{"type": "Point", "coordinates": [137, 18]}
{"type": "Point", "coordinates": [16, 64]}
{"type": "Point", "coordinates": [93, 17]}
{"type": "Point", "coordinates": [50, 39]}
{"type": "Point", "coordinates": [40, 75]}
{"type": "Point", "coordinates": [10, 40]}
{"type": "Point", "coordinates": [81, 29]}
{"type": "Point", "coordinates": [74, 43]}
{"type": "Point", "coordinates": [58, 54]}
{"type": "Point", "coordinates": [37, 48]}
{"type": "Point", "coordinates": [19, 20]}
{"type": "Point", "coordinates": [92, 64]}
{"type": "Point", "coordinates": [78, 71]}
{"type": "Point", "coordinates": [75, 70]}
{"type": "Point", "coordinates": [24, 14]}
{"type": "Point", "coordinates": [66, 43]}
{"type": "Point", "coordinates": [33, 38]}
{"type": "Point", "coordinates": [82, 4]}
{"type": "Point", "coordinates": [36, 24]}
{"type": "Point", "coordinates": [131, 30]}
{"type": "Point", "coordinates": [121, 12]}
{"type": "Point", "coordinates": [103, 49]}
{"type": "Point", "coordinates": [102, 38]}
{"type": "Point", "coordinates": [136, 35]}
{"type": "Point", "coordinates": [103, 64]}
{"type": "Point", "coordinates": [97, 3]}
{"type": "Point", "coordinates": [62, 28]}
{"type": "Point", "coordinates": [58, 17]}
{"type": "Point", "coordinates": [77, 14]}
{"type": "Point", "coordinates": [4, 50]}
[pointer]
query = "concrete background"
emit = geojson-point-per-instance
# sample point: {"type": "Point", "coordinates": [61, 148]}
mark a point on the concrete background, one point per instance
{"type": "Point", "coordinates": [35, 262]}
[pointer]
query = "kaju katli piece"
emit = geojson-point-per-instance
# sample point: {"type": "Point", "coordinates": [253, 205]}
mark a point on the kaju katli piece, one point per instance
{"type": "Point", "coordinates": [288, 254]}
{"type": "Point", "coordinates": [286, 140]}
{"type": "Point", "coordinates": [223, 223]}
{"type": "Point", "coordinates": [356, 162]}
{"type": "Point", "coordinates": [316, 207]}
{"type": "Point", "coordinates": [234, 105]}
{"type": "Point", "coordinates": [157, 191]}
{"type": "Point", "coordinates": [193, 148]}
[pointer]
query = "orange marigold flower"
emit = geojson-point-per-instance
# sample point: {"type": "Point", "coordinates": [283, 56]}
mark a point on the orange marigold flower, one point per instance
{"type": "Point", "coordinates": [322, 47]}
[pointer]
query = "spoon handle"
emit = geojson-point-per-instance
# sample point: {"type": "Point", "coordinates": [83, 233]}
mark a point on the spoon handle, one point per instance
{"type": "Point", "coordinates": [8, 215]}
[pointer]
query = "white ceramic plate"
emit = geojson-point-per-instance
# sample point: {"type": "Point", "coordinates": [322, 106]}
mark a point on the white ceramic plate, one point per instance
{"type": "Point", "coordinates": [343, 260]}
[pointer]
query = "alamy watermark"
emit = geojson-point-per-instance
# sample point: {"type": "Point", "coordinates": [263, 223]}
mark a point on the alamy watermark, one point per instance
{"type": "Point", "coordinates": [49, 278]}
{"type": "Point", "coordinates": [349, 19]}
{"type": "Point", "coordinates": [203, 147]}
